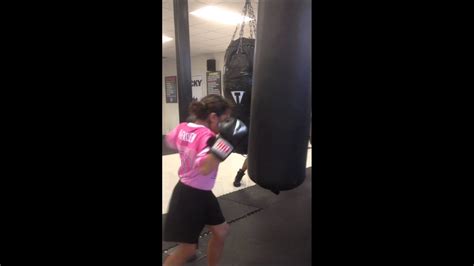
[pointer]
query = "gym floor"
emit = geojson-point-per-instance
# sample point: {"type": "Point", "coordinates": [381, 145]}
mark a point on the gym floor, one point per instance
{"type": "Point", "coordinates": [266, 229]}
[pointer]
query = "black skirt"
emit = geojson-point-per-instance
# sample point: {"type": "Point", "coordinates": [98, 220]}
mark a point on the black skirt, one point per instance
{"type": "Point", "coordinates": [190, 209]}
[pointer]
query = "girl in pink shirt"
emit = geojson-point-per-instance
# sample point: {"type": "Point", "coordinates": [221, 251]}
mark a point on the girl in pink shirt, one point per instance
{"type": "Point", "coordinates": [192, 204]}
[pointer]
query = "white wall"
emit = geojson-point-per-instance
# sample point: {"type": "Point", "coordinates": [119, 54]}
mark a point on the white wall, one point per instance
{"type": "Point", "coordinates": [170, 112]}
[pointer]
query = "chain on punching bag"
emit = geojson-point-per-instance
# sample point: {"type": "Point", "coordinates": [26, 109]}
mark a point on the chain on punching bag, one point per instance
{"type": "Point", "coordinates": [238, 68]}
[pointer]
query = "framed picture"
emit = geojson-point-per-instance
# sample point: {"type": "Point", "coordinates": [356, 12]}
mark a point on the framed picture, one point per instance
{"type": "Point", "coordinates": [171, 89]}
{"type": "Point", "coordinates": [213, 80]}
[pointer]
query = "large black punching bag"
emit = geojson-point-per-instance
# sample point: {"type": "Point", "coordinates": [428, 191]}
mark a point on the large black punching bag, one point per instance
{"type": "Point", "coordinates": [280, 107]}
{"type": "Point", "coordinates": [238, 66]}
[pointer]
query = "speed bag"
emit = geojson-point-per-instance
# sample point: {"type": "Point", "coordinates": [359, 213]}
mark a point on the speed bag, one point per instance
{"type": "Point", "coordinates": [238, 65]}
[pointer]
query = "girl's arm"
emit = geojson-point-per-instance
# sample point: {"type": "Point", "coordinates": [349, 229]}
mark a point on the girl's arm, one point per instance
{"type": "Point", "coordinates": [171, 138]}
{"type": "Point", "coordinates": [208, 164]}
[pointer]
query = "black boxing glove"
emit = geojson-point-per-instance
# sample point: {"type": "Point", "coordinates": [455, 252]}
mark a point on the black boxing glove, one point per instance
{"type": "Point", "coordinates": [231, 133]}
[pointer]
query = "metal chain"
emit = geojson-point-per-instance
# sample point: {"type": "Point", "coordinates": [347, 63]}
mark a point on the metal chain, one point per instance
{"type": "Point", "coordinates": [250, 10]}
{"type": "Point", "coordinates": [253, 26]}
{"type": "Point", "coordinates": [241, 34]}
{"type": "Point", "coordinates": [236, 27]}
{"type": "Point", "coordinates": [247, 10]}
{"type": "Point", "coordinates": [253, 20]}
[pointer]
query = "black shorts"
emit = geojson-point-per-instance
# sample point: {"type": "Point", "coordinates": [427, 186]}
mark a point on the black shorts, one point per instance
{"type": "Point", "coordinates": [190, 209]}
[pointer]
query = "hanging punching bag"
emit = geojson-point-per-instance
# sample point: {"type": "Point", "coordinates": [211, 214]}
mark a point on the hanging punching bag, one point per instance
{"type": "Point", "coordinates": [238, 82]}
{"type": "Point", "coordinates": [238, 71]}
{"type": "Point", "coordinates": [280, 107]}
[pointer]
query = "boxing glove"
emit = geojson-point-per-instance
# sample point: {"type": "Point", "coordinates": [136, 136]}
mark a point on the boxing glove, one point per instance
{"type": "Point", "coordinates": [231, 132]}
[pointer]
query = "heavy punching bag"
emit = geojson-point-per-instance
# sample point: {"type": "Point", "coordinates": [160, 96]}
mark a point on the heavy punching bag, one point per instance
{"type": "Point", "coordinates": [280, 107]}
{"type": "Point", "coordinates": [238, 70]}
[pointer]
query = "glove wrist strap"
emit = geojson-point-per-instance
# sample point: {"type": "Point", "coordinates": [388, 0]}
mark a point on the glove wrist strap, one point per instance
{"type": "Point", "coordinates": [222, 148]}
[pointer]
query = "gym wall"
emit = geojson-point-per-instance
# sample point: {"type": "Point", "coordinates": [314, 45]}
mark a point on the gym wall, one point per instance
{"type": "Point", "coordinates": [170, 112]}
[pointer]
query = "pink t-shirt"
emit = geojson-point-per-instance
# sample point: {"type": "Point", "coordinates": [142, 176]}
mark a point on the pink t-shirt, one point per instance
{"type": "Point", "coordinates": [191, 142]}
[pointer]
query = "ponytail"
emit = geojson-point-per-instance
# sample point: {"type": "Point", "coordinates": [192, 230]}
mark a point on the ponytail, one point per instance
{"type": "Point", "coordinates": [198, 110]}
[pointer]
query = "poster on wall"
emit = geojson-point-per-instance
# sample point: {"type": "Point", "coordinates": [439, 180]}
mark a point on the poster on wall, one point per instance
{"type": "Point", "coordinates": [213, 82]}
{"type": "Point", "coordinates": [170, 88]}
{"type": "Point", "coordinates": [197, 87]}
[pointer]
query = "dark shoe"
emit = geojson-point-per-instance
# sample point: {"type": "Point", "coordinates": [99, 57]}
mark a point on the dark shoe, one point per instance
{"type": "Point", "coordinates": [238, 178]}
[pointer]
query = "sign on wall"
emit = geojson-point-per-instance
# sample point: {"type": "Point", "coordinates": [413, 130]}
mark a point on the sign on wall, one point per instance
{"type": "Point", "coordinates": [213, 82]}
{"type": "Point", "coordinates": [171, 89]}
{"type": "Point", "coordinates": [196, 86]}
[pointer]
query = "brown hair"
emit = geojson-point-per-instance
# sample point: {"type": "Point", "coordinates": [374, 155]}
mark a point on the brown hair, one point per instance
{"type": "Point", "coordinates": [212, 103]}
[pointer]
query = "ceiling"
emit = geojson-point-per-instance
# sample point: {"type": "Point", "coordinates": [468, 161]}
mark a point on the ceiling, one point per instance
{"type": "Point", "coordinates": [205, 37]}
